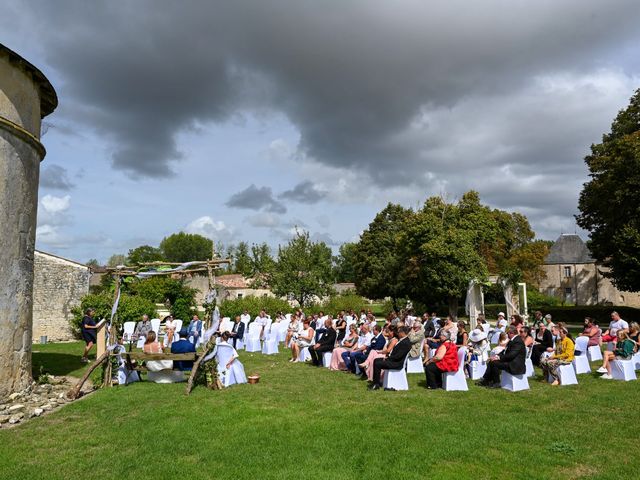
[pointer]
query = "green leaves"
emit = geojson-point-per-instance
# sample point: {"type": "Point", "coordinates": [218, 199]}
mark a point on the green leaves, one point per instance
{"type": "Point", "coordinates": [610, 202]}
{"type": "Point", "coordinates": [186, 247]}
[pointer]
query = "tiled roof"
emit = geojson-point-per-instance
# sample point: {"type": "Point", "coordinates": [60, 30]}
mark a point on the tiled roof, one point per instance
{"type": "Point", "coordinates": [235, 280]}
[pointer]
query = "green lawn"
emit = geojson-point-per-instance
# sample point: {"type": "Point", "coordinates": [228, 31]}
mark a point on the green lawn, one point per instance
{"type": "Point", "coordinates": [303, 422]}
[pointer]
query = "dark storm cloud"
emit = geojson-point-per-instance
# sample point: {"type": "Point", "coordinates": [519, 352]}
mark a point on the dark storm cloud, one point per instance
{"type": "Point", "coordinates": [55, 177]}
{"type": "Point", "coordinates": [305, 192]}
{"type": "Point", "coordinates": [352, 79]}
{"type": "Point", "coordinates": [254, 198]}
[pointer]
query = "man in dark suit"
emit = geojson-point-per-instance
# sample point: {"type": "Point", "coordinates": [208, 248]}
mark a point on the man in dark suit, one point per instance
{"type": "Point", "coordinates": [183, 346]}
{"type": "Point", "coordinates": [324, 344]}
{"type": "Point", "coordinates": [395, 359]}
{"type": "Point", "coordinates": [511, 359]}
{"type": "Point", "coordinates": [237, 331]}
{"type": "Point", "coordinates": [377, 343]}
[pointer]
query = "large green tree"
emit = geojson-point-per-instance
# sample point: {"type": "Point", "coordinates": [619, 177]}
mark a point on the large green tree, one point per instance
{"type": "Point", "coordinates": [610, 202]}
{"type": "Point", "coordinates": [303, 269]}
{"type": "Point", "coordinates": [377, 259]}
{"type": "Point", "coordinates": [144, 254]}
{"type": "Point", "coordinates": [344, 269]}
{"type": "Point", "coordinates": [186, 247]}
{"type": "Point", "coordinates": [242, 260]}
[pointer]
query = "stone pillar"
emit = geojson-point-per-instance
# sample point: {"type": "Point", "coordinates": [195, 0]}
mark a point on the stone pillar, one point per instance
{"type": "Point", "coordinates": [26, 96]}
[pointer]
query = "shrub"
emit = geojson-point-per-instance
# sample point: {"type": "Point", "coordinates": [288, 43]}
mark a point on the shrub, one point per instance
{"type": "Point", "coordinates": [130, 309]}
{"type": "Point", "coordinates": [181, 309]}
{"type": "Point", "coordinates": [334, 304]}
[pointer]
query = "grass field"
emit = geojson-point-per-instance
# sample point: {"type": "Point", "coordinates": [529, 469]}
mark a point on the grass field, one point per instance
{"type": "Point", "coordinates": [303, 422]}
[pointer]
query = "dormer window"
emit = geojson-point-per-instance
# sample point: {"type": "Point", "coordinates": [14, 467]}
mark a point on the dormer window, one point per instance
{"type": "Point", "coordinates": [567, 272]}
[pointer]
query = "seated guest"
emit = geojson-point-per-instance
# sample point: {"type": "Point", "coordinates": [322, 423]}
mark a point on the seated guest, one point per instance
{"type": "Point", "coordinates": [262, 319]}
{"type": "Point", "coordinates": [478, 345]}
{"type": "Point", "coordinates": [233, 361]}
{"type": "Point", "coordinates": [293, 328]}
{"type": "Point", "coordinates": [444, 360]}
{"type": "Point", "coordinates": [416, 337]}
{"type": "Point", "coordinates": [237, 331]}
{"type": "Point", "coordinates": [360, 355]}
{"type": "Point", "coordinates": [462, 337]}
{"type": "Point", "coordinates": [482, 323]}
{"type": "Point", "coordinates": [169, 328]}
{"type": "Point", "coordinates": [364, 342]}
{"type": "Point", "coordinates": [634, 333]}
{"type": "Point", "coordinates": [195, 329]}
{"type": "Point", "coordinates": [563, 355]}
{"type": "Point", "coordinates": [341, 327]}
{"type": "Point", "coordinates": [142, 328]}
{"type": "Point", "coordinates": [390, 334]}
{"type": "Point", "coordinates": [325, 343]}
{"type": "Point", "coordinates": [183, 346]}
{"type": "Point", "coordinates": [451, 326]}
{"type": "Point", "coordinates": [616, 324]}
{"type": "Point", "coordinates": [516, 320]}
{"type": "Point", "coordinates": [543, 342]}
{"type": "Point", "coordinates": [501, 322]}
{"type": "Point", "coordinates": [150, 344]}
{"type": "Point", "coordinates": [301, 340]}
{"type": "Point", "coordinates": [623, 351]}
{"type": "Point", "coordinates": [525, 334]}
{"type": "Point", "coordinates": [503, 340]}
{"type": "Point", "coordinates": [592, 331]}
{"type": "Point", "coordinates": [348, 344]}
{"type": "Point", "coordinates": [511, 360]}
{"type": "Point", "coordinates": [394, 360]}
{"type": "Point", "coordinates": [371, 322]}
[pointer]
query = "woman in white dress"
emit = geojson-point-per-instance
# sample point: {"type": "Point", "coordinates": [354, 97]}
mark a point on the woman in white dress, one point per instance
{"type": "Point", "coordinates": [302, 340]}
{"type": "Point", "coordinates": [169, 328]}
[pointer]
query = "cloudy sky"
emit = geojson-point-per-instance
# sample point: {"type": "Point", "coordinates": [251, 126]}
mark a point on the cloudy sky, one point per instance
{"type": "Point", "coordinates": [241, 120]}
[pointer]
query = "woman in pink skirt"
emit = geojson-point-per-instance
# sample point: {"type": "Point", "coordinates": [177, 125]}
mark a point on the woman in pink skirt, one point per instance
{"type": "Point", "coordinates": [390, 334]}
{"type": "Point", "coordinates": [350, 341]}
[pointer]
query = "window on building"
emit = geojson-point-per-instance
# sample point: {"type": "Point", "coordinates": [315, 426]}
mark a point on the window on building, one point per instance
{"type": "Point", "coordinates": [239, 295]}
{"type": "Point", "coordinates": [567, 291]}
{"type": "Point", "coordinates": [567, 272]}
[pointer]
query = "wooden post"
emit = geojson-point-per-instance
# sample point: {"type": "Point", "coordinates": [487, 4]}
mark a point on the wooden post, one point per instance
{"type": "Point", "coordinates": [101, 344]}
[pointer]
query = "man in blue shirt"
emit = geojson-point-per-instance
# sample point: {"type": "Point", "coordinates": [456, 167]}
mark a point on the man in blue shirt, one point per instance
{"type": "Point", "coordinates": [195, 329]}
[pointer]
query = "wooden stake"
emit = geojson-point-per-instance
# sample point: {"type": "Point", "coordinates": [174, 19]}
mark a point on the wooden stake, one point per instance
{"type": "Point", "coordinates": [75, 391]}
{"type": "Point", "coordinates": [194, 371]}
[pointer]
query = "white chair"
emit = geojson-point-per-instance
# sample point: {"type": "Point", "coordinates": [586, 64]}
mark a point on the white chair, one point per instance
{"type": "Point", "coordinates": [141, 340]}
{"type": "Point", "coordinates": [236, 373]}
{"type": "Point", "coordinates": [226, 325]}
{"type": "Point", "coordinates": [636, 361]}
{"type": "Point", "coordinates": [495, 337]}
{"type": "Point", "coordinates": [304, 354]}
{"type": "Point", "coordinates": [414, 365]}
{"type": "Point", "coordinates": [566, 374]}
{"type": "Point", "coordinates": [456, 380]}
{"type": "Point", "coordinates": [326, 359]}
{"type": "Point", "coordinates": [253, 338]}
{"type": "Point", "coordinates": [127, 331]}
{"type": "Point", "coordinates": [530, 372]}
{"type": "Point", "coordinates": [581, 362]}
{"type": "Point", "coordinates": [270, 344]}
{"type": "Point", "coordinates": [514, 383]}
{"type": "Point", "coordinates": [396, 379]}
{"type": "Point", "coordinates": [623, 370]}
{"type": "Point", "coordinates": [594, 353]}
{"type": "Point", "coordinates": [155, 326]}
{"type": "Point", "coordinates": [611, 346]}
{"type": "Point", "coordinates": [477, 369]}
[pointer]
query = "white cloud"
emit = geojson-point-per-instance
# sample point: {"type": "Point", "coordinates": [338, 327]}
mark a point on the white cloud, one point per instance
{"type": "Point", "coordinates": [54, 205]}
{"type": "Point", "coordinates": [263, 220]}
{"type": "Point", "coordinates": [207, 227]}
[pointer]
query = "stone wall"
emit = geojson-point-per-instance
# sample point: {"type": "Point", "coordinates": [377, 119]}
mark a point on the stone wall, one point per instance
{"type": "Point", "coordinates": [58, 286]}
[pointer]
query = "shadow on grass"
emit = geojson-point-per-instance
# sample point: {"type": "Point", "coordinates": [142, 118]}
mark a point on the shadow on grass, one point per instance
{"type": "Point", "coordinates": [57, 364]}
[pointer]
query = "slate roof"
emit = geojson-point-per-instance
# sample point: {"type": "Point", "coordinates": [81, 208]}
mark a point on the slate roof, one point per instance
{"type": "Point", "coordinates": [569, 248]}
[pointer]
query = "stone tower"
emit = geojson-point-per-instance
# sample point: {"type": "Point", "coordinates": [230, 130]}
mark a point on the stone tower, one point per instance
{"type": "Point", "coordinates": [26, 96]}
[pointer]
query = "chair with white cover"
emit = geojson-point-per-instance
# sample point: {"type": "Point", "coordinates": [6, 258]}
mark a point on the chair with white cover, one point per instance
{"type": "Point", "coordinates": [326, 359]}
{"type": "Point", "coordinates": [235, 374]}
{"type": "Point", "coordinates": [529, 364]}
{"type": "Point", "coordinates": [456, 380]}
{"type": "Point", "coordinates": [304, 354]}
{"type": "Point", "coordinates": [226, 325]}
{"type": "Point", "coordinates": [636, 361]}
{"type": "Point", "coordinates": [414, 364]}
{"type": "Point", "coordinates": [282, 330]}
{"type": "Point", "coordinates": [514, 383]}
{"type": "Point", "coordinates": [270, 344]}
{"type": "Point", "coordinates": [566, 375]}
{"type": "Point", "coordinates": [252, 343]}
{"type": "Point", "coordinates": [495, 337]}
{"type": "Point", "coordinates": [594, 353]}
{"type": "Point", "coordinates": [581, 361]}
{"type": "Point", "coordinates": [127, 331]}
{"type": "Point", "coordinates": [396, 379]}
{"type": "Point", "coordinates": [611, 346]}
{"type": "Point", "coordinates": [477, 368]}
{"type": "Point", "coordinates": [623, 370]}
{"type": "Point", "coordinates": [155, 326]}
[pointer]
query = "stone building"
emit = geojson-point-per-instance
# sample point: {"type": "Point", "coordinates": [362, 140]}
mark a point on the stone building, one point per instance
{"type": "Point", "coordinates": [228, 286]}
{"type": "Point", "coordinates": [58, 285]}
{"type": "Point", "coordinates": [573, 276]}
